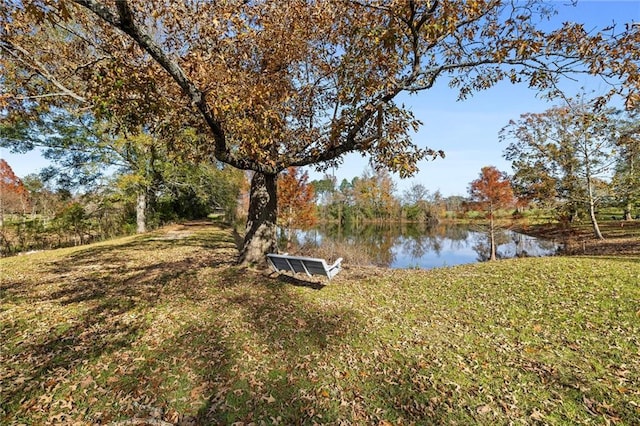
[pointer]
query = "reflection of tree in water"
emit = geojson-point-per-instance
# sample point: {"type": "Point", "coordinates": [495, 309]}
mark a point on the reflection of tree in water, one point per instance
{"type": "Point", "coordinates": [483, 249]}
{"type": "Point", "coordinates": [521, 244]}
{"type": "Point", "coordinates": [418, 247]}
{"type": "Point", "coordinates": [366, 244]}
{"type": "Point", "coordinates": [455, 233]}
{"type": "Point", "coordinates": [418, 240]}
{"type": "Point", "coordinates": [483, 246]}
{"type": "Point", "coordinates": [414, 239]}
{"type": "Point", "coordinates": [386, 244]}
{"type": "Point", "coordinates": [528, 246]}
{"type": "Point", "coordinates": [377, 241]}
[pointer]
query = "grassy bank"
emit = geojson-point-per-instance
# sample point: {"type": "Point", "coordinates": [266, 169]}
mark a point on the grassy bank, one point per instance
{"type": "Point", "coordinates": [164, 327]}
{"type": "Point", "coordinates": [622, 238]}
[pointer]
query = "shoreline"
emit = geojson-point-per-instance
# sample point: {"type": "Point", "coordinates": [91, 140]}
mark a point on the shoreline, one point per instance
{"type": "Point", "coordinates": [622, 238]}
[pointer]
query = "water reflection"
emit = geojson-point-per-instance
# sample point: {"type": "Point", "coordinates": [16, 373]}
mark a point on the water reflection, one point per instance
{"type": "Point", "coordinates": [414, 246]}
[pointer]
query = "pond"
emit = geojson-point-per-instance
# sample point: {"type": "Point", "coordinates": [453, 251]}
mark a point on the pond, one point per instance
{"type": "Point", "coordinates": [413, 246]}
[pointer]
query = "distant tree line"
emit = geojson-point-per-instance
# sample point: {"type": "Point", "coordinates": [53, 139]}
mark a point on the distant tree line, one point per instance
{"type": "Point", "coordinates": [372, 197]}
{"type": "Point", "coordinates": [37, 213]}
{"type": "Point", "coordinates": [572, 162]}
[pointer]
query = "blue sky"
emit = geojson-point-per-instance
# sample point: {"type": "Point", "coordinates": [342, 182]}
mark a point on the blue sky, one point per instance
{"type": "Point", "coordinates": [466, 130]}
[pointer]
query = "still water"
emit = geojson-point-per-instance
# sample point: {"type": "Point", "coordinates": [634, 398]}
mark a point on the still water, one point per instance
{"type": "Point", "coordinates": [412, 246]}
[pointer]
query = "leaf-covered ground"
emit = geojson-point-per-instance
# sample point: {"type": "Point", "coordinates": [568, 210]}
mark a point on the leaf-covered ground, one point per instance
{"type": "Point", "coordinates": [164, 329]}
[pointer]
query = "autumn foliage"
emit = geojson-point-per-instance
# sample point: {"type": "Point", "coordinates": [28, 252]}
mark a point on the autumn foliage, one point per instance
{"type": "Point", "coordinates": [491, 191]}
{"type": "Point", "coordinates": [271, 85]}
{"type": "Point", "coordinates": [296, 200]}
{"type": "Point", "coordinates": [14, 197]}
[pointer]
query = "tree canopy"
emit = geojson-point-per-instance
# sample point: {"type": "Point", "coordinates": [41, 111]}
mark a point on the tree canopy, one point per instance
{"type": "Point", "coordinates": [563, 154]}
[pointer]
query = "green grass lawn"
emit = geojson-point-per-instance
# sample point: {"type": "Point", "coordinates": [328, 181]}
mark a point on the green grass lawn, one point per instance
{"type": "Point", "coordinates": [164, 327]}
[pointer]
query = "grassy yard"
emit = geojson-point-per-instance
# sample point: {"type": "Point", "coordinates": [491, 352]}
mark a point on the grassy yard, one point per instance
{"type": "Point", "coordinates": [164, 329]}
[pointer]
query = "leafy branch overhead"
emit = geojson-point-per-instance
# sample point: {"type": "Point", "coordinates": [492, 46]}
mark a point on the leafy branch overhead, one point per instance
{"type": "Point", "coordinates": [295, 83]}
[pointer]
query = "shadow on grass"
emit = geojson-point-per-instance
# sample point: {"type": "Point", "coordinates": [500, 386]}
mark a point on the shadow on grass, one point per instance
{"type": "Point", "coordinates": [138, 270]}
{"type": "Point", "coordinates": [93, 334]}
{"type": "Point", "coordinates": [109, 300]}
{"type": "Point", "coordinates": [245, 357]}
{"type": "Point", "coordinates": [94, 302]}
{"type": "Point", "coordinates": [289, 280]}
{"type": "Point", "coordinates": [273, 367]}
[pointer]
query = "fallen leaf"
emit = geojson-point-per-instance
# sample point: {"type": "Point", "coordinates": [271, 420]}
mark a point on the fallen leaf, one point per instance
{"type": "Point", "coordinates": [537, 415]}
{"type": "Point", "coordinates": [484, 409]}
{"type": "Point", "coordinates": [86, 382]}
{"type": "Point", "coordinates": [269, 399]}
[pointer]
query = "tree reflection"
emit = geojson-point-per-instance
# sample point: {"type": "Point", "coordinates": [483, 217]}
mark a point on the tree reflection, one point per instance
{"type": "Point", "coordinates": [413, 245]}
{"type": "Point", "coordinates": [502, 237]}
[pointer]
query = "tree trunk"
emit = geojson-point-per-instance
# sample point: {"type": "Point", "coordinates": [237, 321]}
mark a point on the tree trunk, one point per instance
{"type": "Point", "coordinates": [592, 208]}
{"type": "Point", "coordinates": [627, 211]}
{"type": "Point", "coordinates": [141, 212]}
{"type": "Point", "coordinates": [492, 237]}
{"type": "Point", "coordinates": [260, 236]}
{"type": "Point", "coordinates": [594, 222]}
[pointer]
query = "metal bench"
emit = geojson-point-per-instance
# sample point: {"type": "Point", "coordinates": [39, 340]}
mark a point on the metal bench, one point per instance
{"type": "Point", "coordinates": [308, 265]}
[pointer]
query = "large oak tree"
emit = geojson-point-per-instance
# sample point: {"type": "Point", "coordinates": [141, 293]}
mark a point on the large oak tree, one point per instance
{"type": "Point", "coordinates": [288, 83]}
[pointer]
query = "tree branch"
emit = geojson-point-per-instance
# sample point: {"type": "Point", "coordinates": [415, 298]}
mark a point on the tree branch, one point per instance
{"type": "Point", "coordinates": [124, 21]}
{"type": "Point", "coordinates": [20, 54]}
